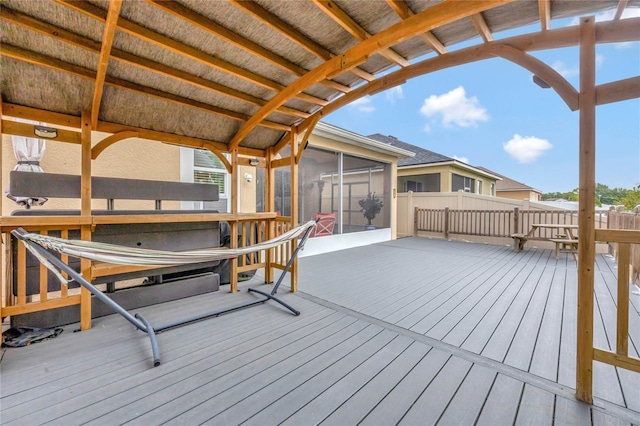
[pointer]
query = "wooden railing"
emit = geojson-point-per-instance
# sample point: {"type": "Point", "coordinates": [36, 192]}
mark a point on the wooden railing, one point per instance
{"type": "Point", "coordinates": [493, 223]}
{"type": "Point", "coordinates": [626, 241]}
{"type": "Point", "coordinates": [626, 221]}
{"type": "Point", "coordinates": [18, 302]}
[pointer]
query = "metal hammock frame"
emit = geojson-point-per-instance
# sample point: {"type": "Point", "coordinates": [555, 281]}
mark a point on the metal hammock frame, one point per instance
{"type": "Point", "coordinates": [37, 244]}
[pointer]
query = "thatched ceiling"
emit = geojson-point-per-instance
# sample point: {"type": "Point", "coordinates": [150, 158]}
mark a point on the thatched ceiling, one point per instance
{"type": "Point", "coordinates": [233, 72]}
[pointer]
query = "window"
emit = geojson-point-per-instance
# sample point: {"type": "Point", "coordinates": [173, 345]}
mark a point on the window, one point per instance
{"type": "Point", "coordinates": [207, 168]}
{"type": "Point", "coordinates": [493, 189]}
{"type": "Point", "coordinates": [479, 187]}
{"type": "Point", "coordinates": [412, 185]}
{"type": "Point", "coordinates": [463, 183]}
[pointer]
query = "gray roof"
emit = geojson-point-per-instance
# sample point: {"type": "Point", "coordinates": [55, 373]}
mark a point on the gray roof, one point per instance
{"type": "Point", "coordinates": [423, 156]}
{"type": "Point", "coordinates": [508, 184]}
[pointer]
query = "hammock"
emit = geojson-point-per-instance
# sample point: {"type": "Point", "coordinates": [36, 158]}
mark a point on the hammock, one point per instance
{"type": "Point", "coordinates": [121, 255]}
{"type": "Point", "coordinates": [41, 247]}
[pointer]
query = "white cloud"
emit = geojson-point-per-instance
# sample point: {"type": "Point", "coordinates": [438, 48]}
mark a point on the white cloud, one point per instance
{"type": "Point", "coordinates": [394, 94]}
{"type": "Point", "coordinates": [427, 128]}
{"type": "Point", "coordinates": [363, 105]}
{"type": "Point", "coordinates": [599, 60]}
{"type": "Point", "coordinates": [456, 108]}
{"type": "Point", "coordinates": [564, 70]}
{"type": "Point", "coordinates": [527, 149]}
{"type": "Point", "coordinates": [462, 159]}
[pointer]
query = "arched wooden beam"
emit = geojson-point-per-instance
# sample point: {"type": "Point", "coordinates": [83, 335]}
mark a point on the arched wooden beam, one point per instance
{"type": "Point", "coordinates": [606, 32]}
{"type": "Point", "coordinates": [563, 88]}
{"type": "Point", "coordinates": [433, 17]}
{"type": "Point", "coordinates": [108, 141]}
{"type": "Point", "coordinates": [220, 155]}
{"type": "Point", "coordinates": [307, 133]}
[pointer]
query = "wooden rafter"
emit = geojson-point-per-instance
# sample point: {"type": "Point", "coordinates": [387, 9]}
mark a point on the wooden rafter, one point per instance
{"type": "Point", "coordinates": [186, 14]}
{"type": "Point", "coordinates": [544, 8]}
{"type": "Point", "coordinates": [608, 32]}
{"type": "Point", "coordinates": [137, 61]}
{"type": "Point", "coordinates": [403, 10]}
{"type": "Point", "coordinates": [292, 34]}
{"type": "Point", "coordinates": [622, 4]}
{"type": "Point", "coordinates": [46, 61]}
{"type": "Point", "coordinates": [482, 27]}
{"type": "Point", "coordinates": [103, 61]}
{"type": "Point", "coordinates": [345, 21]}
{"type": "Point", "coordinates": [433, 17]}
{"type": "Point", "coordinates": [58, 119]}
{"type": "Point", "coordinates": [143, 33]}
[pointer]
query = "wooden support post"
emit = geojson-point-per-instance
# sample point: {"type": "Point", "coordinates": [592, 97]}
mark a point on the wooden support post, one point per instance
{"type": "Point", "coordinates": [446, 222]}
{"type": "Point", "coordinates": [586, 213]}
{"type": "Point", "coordinates": [294, 205]}
{"type": "Point", "coordinates": [235, 187]}
{"type": "Point", "coordinates": [269, 196]}
{"type": "Point", "coordinates": [85, 210]}
{"type": "Point", "coordinates": [516, 221]}
{"type": "Point", "coordinates": [622, 327]}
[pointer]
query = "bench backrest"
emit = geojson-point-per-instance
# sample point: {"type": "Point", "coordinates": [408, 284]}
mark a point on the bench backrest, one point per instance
{"type": "Point", "coordinates": [51, 185]}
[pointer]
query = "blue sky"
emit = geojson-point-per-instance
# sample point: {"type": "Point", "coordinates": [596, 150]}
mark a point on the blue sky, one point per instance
{"type": "Point", "coordinates": [491, 114]}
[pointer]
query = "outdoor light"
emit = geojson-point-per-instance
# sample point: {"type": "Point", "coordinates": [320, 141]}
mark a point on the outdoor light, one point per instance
{"type": "Point", "coordinates": [540, 82]}
{"type": "Point", "coordinates": [45, 132]}
{"type": "Point", "coordinates": [254, 161]}
{"type": "Point", "coordinates": [248, 177]}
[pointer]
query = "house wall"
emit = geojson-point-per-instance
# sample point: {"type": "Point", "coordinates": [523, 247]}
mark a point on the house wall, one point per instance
{"type": "Point", "coordinates": [131, 158]}
{"type": "Point", "coordinates": [446, 172]}
{"type": "Point", "coordinates": [519, 195]}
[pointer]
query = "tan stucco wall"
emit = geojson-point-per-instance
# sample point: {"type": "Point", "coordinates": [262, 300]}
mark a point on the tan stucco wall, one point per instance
{"type": "Point", "coordinates": [131, 158]}
{"type": "Point", "coordinates": [446, 176]}
{"type": "Point", "coordinates": [519, 195]}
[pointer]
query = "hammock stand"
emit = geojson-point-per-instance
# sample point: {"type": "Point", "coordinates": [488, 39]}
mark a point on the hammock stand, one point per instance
{"type": "Point", "coordinates": [138, 320]}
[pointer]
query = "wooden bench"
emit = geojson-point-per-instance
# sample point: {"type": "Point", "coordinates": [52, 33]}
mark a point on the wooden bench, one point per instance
{"type": "Point", "coordinates": [173, 236]}
{"type": "Point", "coordinates": [519, 240]}
{"type": "Point", "coordinates": [566, 245]}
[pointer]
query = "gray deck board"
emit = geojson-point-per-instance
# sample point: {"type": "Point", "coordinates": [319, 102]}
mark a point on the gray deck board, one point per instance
{"type": "Point", "coordinates": [502, 402]}
{"type": "Point", "coordinates": [413, 331]}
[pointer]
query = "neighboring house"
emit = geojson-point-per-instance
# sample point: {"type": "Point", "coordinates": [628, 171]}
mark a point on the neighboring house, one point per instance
{"type": "Point", "coordinates": [429, 171]}
{"type": "Point", "coordinates": [509, 188]}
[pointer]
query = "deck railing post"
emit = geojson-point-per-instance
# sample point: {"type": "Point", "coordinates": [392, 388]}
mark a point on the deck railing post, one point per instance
{"type": "Point", "coordinates": [446, 223]}
{"type": "Point", "coordinates": [516, 220]}
{"type": "Point", "coordinates": [415, 221]}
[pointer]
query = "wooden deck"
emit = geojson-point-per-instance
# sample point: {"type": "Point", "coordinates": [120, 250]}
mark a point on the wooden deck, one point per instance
{"type": "Point", "coordinates": [414, 331]}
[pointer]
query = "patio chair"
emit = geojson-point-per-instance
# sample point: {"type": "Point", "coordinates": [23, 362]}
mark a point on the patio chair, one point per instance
{"type": "Point", "coordinates": [324, 224]}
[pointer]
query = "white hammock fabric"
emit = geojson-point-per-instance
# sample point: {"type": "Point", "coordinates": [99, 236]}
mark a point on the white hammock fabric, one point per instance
{"type": "Point", "coordinates": [121, 255]}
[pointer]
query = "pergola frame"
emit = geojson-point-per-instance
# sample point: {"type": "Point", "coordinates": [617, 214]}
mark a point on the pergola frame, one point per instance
{"type": "Point", "coordinates": [514, 49]}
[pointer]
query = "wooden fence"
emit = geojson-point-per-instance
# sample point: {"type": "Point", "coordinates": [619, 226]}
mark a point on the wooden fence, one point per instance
{"type": "Point", "coordinates": [493, 223]}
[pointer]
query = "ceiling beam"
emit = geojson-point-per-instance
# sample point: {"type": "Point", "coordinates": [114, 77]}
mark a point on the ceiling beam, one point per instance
{"type": "Point", "coordinates": [544, 9]}
{"type": "Point", "coordinates": [622, 4]}
{"type": "Point", "coordinates": [58, 65]}
{"type": "Point", "coordinates": [103, 61]}
{"type": "Point", "coordinates": [606, 32]}
{"type": "Point", "coordinates": [403, 11]}
{"type": "Point", "coordinates": [441, 14]}
{"type": "Point", "coordinates": [138, 61]}
{"type": "Point", "coordinates": [482, 27]}
{"type": "Point", "coordinates": [174, 46]}
{"type": "Point", "coordinates": [207, 25]}
{"type": "Point", "coordinates": [277, 24]}
{"type": "Point", "coordinates": [58, 119]}
{"type": "Point", "coordinates": [345, 21]}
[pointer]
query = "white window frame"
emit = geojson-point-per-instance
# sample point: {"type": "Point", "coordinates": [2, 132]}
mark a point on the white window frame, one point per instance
{"type": "Point", "coordinates": [187, 169]}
